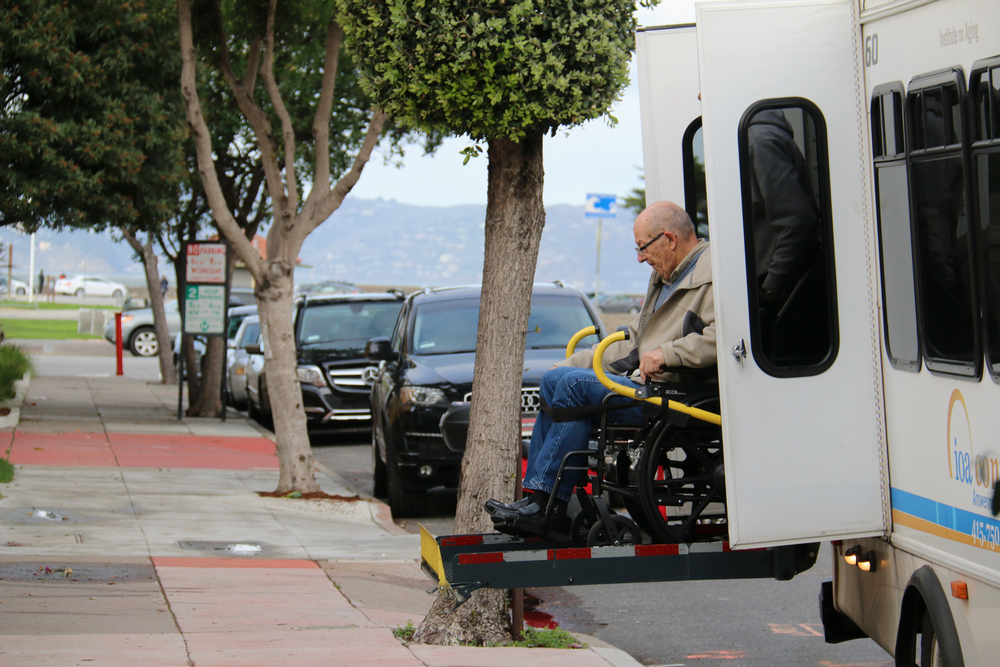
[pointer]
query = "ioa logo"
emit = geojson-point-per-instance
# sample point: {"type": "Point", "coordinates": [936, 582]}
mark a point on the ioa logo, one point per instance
{"type": "Point", "coordinates": [964, 465]}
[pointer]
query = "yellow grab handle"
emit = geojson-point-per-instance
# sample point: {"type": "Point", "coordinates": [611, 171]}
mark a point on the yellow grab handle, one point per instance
{"type": "Point", "coordinates": [577, 337]}
{"type": "Point", "coordinates": [628, 392]}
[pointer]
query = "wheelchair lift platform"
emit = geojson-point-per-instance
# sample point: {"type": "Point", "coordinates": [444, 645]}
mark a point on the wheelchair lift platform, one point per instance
{"type": "Point", "coordinates": [465, 563]}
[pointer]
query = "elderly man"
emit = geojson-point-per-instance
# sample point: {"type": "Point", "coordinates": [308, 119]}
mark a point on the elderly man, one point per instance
{"type": "Point", "coordinates": [675, 328]}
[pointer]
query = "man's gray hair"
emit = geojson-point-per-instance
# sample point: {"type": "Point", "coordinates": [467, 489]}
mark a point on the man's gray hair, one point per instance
{"type": "Point", "coordinates": [667, 216]}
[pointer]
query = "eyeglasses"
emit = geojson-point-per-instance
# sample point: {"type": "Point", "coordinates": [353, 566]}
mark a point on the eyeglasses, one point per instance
{"type": "Point", "coordinates": [641, 250]}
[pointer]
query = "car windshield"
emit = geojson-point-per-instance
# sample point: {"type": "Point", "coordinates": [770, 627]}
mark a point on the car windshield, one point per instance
{"type": "Point", "coordinates": [448, 327]}
{"type": "Point", "coordinates": [348, 324]}
{"type": "Point", "coordinates": [235, 320]}
{"type": "Point", "coordinates": [250, 333]}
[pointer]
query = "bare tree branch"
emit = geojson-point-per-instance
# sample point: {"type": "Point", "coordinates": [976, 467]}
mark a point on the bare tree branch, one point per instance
{"type": "Point", "coordinates": [321, 122]}
{"type": "Point", "coordinates": [203, 144]}
{"type": "Point", "coordinates": [327, 205]}
{"type": "Point", "coordinates": [287, 129]}
{"type": "Point", "coordinates": [258, 120]}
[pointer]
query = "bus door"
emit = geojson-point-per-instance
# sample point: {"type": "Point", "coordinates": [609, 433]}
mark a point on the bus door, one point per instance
{"type": "Point", "coordinates": [670, 110]}
{"type": "Point", "coordinates": [786, 155]}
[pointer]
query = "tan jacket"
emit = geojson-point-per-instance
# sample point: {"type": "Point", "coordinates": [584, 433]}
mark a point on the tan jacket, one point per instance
{"type": "Point", "coordinates": [683, 327]}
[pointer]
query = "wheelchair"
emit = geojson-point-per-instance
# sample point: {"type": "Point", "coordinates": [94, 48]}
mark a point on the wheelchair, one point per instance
{"type": "Point", "coordinates": [667, 471]}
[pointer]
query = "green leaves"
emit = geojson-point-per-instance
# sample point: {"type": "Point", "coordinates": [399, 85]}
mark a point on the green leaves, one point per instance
{"type": "Point", "coordinates": [494, 68]}
{"type": "Point", "coordinates": [91, 129]}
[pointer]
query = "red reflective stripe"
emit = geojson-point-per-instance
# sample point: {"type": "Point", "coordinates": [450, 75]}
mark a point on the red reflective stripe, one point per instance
{"type": "Point", "coordinates": [570, 554]}
{"type": "Point", "coordinates": [725, 547]}
{"type": "Point", "coordinates": [475, 559]}
{"type": "Point", "coordinates": [461, 540]}
{"type": "Point", "coordinates": [657, 550]}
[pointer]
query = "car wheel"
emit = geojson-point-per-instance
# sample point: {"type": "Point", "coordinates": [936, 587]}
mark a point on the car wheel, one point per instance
{"type": "Point", "coordinates": [404, 503]}
{"type": "Point", "coordinates": [144, 343]}
{"type": "Point", "coordinates": [118, 294]}
{"type": "Point", "coordinates": [79, 292]}
{"type": "Point", "coordinates": [378, 469]}
{"type": "Point", "coordinates": [21, 291]}
{"type": "Point", "coordinates": [252, 411]}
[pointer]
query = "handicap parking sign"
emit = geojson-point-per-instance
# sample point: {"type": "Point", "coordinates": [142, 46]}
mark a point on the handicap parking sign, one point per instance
{"type": "Point", "coordinates": [601, 206]}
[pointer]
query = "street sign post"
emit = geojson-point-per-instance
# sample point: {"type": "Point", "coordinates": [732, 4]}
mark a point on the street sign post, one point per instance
{"type": "Point", "coordinates": [600, 207]}
{"type": "Point", "coordinates": [204, 302]}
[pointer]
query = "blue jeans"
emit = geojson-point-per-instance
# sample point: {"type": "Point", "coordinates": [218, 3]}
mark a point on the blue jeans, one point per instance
{"type": "Point", "coordinates": [565, 387]}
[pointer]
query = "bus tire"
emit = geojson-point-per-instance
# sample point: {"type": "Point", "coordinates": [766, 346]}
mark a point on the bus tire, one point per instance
{"type": "Point", "coordinates": [926, 612]}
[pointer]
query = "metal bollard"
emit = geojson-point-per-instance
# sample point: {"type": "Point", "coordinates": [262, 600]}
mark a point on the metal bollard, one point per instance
{"type": "Point", "coordinates": [118, 343]}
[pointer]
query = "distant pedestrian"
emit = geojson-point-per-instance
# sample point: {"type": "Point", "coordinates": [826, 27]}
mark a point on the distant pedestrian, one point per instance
{"type": "Point", "coordinates": [164, 284]}
{"type": "Point", "coordinates": [41, 281]}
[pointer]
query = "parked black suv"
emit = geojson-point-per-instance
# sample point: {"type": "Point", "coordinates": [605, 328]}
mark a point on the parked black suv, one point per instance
{"type": "Point", "coordinates": [336, 379]}
{"type": "Point", "coordinates": [426, 369]}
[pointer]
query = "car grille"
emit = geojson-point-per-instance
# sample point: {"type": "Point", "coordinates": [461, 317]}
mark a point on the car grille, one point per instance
{"type": "Point", "coordinates": [350, 378]}
{"type": "Point", "coordinates": [531, 399]}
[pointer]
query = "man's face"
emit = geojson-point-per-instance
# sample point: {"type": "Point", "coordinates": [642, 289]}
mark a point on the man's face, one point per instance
{"type": "Point", "coordinates": [661, 252]}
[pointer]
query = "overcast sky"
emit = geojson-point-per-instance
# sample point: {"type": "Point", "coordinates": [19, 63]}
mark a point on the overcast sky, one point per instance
{"type": "Point", "coordinates": [592, 158]}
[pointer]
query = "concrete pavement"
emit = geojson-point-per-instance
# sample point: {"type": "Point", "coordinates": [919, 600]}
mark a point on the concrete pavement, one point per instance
{"type": "Point", "coordinates": [131, 538]}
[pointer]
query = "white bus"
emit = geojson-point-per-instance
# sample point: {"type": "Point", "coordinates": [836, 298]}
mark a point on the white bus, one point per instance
{"type": "Point", "coordinates": [857, 380]}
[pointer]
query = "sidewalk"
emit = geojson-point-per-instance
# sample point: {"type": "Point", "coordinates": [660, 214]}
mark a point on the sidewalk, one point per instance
{"type": "Point", "coordinates": [132, 538]}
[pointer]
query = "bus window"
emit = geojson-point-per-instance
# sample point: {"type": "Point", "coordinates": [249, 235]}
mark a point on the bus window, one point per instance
{"type": "Point", "coordinates": [899, 305]}
{"type": "Point", "coordinates": [943, 236]}
{"type": "Point", "coordinates": [788, 237]}
{"type": "Point", "coordinates": [984, 91]}
{"type": "Point", "coordinates": [695, 192]}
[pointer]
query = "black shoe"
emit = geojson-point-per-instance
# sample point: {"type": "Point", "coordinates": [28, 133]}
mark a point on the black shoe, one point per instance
{"type": "Point", "coordinates": [530, 520]}
{"type": "Point", "coordinates": [492, 506]}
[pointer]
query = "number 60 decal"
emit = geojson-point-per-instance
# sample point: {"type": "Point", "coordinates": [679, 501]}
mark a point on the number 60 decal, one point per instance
{"type": "Point", "coordinates": [871, 50]}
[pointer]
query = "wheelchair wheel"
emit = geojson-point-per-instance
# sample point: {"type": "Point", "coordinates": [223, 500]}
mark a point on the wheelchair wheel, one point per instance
{"type": "Point", "coordinates": [624, 529]}
{"type": "Point", "coordinates": [628, 481]}
{"type": "Point", "coordinates": [680, 475]}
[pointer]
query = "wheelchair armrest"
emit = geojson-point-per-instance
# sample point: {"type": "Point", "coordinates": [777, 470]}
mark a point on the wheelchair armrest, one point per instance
{"type": "Point", "coordinates": [697, 373]}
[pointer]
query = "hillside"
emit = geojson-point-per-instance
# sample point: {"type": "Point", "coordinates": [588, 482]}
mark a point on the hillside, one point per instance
{"type": "Point", "coordinates": [387, 243]}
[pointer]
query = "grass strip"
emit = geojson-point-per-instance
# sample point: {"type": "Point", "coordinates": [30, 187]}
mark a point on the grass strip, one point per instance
{"type": "Point", "coordinates": [43, 330]}
{"type": "Point", "coordinates": [542, 638]}
{"type": "Point", "coordinates": [6, 472]}
{"type": "Point", "coordinates": [41, 305]}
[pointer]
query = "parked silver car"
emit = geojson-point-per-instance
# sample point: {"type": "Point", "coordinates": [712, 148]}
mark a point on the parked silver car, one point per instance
{"type": "Point", "coordinates": [237, 358]}
{"type": "Point", "coordinates": [137, 329]}
{"type": "Point", "coordinates": [236, 316]}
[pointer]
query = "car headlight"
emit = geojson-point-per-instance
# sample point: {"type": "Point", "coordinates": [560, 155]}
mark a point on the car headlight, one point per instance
{"type": "Point", "coordinates": [423, 396]}
{"type": "Point", "coordinates": [310, 375]}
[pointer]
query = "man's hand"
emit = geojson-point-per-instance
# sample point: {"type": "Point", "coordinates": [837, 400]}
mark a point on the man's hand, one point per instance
{"type": "Point", "coordinates": [651, 363]}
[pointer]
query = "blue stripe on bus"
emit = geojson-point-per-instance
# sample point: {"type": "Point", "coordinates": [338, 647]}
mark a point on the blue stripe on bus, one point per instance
{"type": "Point", "coordinates": [943, 515]}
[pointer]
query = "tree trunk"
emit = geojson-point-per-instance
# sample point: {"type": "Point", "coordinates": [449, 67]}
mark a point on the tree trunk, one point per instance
{"type": "Point", "coordinates": [208, 402]}
{"type": "Point", "coordinates": [515, 217]}
{"type": "Point", "coordinates": [274, 307]}
{"type": "Point", "coordinates": [149, 263]}
{"type": "Point", "coordinates": [190, 371]}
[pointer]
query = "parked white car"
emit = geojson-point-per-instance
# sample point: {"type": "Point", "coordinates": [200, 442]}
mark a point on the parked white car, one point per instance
{"type": "Point", "coordinates": [237, 359]}
{"type": "Point", "coordinates": [19, 286]}
{"type": "Point", "coordinates": [90, 286]}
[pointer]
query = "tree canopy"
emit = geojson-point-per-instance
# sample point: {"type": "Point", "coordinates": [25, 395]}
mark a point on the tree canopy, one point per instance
{"type": "Point", "coordinates": [495, 68]}
{"type": "Point", "coordinates": [91, 125]}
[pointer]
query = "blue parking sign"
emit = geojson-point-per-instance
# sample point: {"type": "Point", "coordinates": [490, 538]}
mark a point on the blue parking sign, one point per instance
{"type": "Point", "coordinates": [601, 206]}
